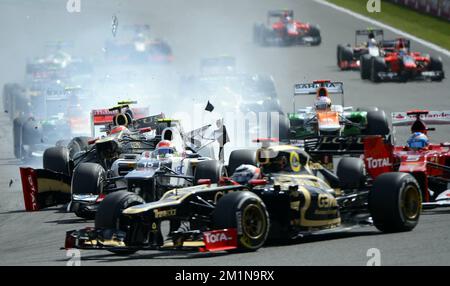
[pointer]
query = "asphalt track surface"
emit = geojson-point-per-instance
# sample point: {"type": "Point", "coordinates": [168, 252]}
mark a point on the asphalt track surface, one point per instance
{"type": "Point", "coordinates": [197, 29]}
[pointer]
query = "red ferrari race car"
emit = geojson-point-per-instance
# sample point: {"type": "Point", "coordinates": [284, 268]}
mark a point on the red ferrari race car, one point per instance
{"type": "Point", "coordinates": [348, 57]}
{"type": "Point", "coordinates": [428, 162]}
{"type": "Point", "coordinates": [399, 63]}
{"type": "Point", "coordinates": [282, 29]}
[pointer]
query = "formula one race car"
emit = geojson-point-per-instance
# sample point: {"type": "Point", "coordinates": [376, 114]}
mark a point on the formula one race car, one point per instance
{"type": "Point", "coordinates": [285, 198]}
{"type": "Point", "coordinates": [61, 117]}
{"type": "Point", "coordinates": [229, 90]}
{"type": "Point", "coordinates": [135, 46]}
{"type": "Point", "coordinates": [282, 29]}
{"type": "Point", "coordinates": [348, 57]}
{"type": "Point", "coordinates": [45, 77]}
{"type": "Point", "coordinates": [131, 158]}
{"type": "Point", "coordinates": [428, 163]}
{"type": "Point", "coordinates": [399, 63]}
{"type": "Point", "coordinates": [328, 120]}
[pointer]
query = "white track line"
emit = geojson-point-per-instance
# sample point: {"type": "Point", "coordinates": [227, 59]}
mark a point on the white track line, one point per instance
{"type": "Point", "coordinates": [385, 26]}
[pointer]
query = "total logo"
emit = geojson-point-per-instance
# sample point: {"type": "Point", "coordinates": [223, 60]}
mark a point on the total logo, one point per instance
{"type": "Point", "coordinates": [32, 193]}
{"type": "Point", "coordinates": [378, 163]}
{"type": "Point", "coordinates": [217, 237]}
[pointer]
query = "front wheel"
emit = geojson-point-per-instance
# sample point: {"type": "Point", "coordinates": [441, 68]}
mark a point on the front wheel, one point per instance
{"type": "Point", "coordinates": [109, 214]}
{"type": "Point", "coordinates": [395, 202]}
{"type": "Point", "coordinates": [246, 212]}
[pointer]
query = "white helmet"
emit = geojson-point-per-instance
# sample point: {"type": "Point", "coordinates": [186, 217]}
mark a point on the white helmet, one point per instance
{"type": "Point", "coordinates": [322, 103]}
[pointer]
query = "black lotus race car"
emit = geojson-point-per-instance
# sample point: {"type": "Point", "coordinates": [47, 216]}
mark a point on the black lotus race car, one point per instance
{"type": "Point", "coordinates": [295, 197]}
{"type": "Point", "coordinates": [282, 29]}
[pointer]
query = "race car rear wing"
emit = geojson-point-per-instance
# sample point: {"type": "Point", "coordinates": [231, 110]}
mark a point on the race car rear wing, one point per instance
{"type": "Point", "coordinates": [366, 32]}
{"type": "Point", "coordinates": [279, 13]}
{"type": "Point", "coordinates": [390, 44]}
{"type": "Point", "coordinates": [312, 88]}
{"type": "Point", "coordinates": [103, 117]}
{"type": "Point", "coordinates": [427, 117]}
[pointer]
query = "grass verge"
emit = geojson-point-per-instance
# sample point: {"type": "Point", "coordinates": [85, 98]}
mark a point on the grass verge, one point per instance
{"type": "Point", "coordinates": [426, 27]}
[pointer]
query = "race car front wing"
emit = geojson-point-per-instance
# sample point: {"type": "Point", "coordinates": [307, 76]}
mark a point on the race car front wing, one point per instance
{"type": "Point", "coordinates": [115, 240]}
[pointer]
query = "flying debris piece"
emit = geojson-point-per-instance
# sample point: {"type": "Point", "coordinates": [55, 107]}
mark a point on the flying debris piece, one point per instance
{"type": "Point", "coordinates": [209, 107]}
{"type": "Point", "coordinates": [11, 182]}
{"type": "Point", "coordinates": [115, 24]}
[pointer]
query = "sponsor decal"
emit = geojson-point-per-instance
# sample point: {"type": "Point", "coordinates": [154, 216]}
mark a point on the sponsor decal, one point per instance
{"type": "Point", "coordinates": [29, 189]}
{"type": "Point", "coordinates": [326, 201]}
{"type": "Point", "coordinates": [217, 240]}
{"type": "Point", "coordinates": [164, 213]}
{"type": "Point", "coordinates": [377, 156]}
{"type": "Point", "coordinates": [295, 162]}
{"type": "Point", "coordinates": [373, 163]}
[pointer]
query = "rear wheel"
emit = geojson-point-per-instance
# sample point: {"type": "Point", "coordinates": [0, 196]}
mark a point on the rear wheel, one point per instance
{"type": "Point", "coordinates": [241, 157]}
{"type": "Point", "coordinates": [57, 159]}
{"type": "Point", "coordinates": [351, 172]}
{"type": "Point", "coordinates": [109, 214]}
{"type": "Point", "coordinates": [17, 136]}
{"type": "Point", "coordinates": [314, 32]}
{"type": "Point", "coordinates": [78, 144]}
{"type": "Point", "coordinates": [377, 65]}
{"type": "Point", "coordinates": [436, 65]}
{"type": "Point", "coordinates": [367, 108]}
{"type": "Point", "coordinates": [377, 123]}
{"type": "Point", "coordinates": [246, 212]}
{"type": "Point", "coordinates": [209, 169]}
{"type": "Point", "coordinates": [395, 202]}
{"type": "Point", "coordinates": [88, 178]}
{"type": "Point", "coordinates": [346, 55]}
{"type": "Point", "coordinates": [365, 66]}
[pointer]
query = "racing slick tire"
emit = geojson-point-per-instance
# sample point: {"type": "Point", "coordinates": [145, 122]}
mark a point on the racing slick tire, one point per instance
{"type": "Point", "coordinates": [87, 178]}
{"type": "Point", "coordinates": [57, 159]}
{"type": "Point", "coordinates": [364, 70]}
{"type": "Point", "coordinates": [109, 213]}
{"type": "Point", "coordinates": [377, 123]}
{"type": "Point", "coordinates": [377, 65]}
{"type": "Point", "coordinates": [241, 157]}
{"type": "Point", "coordinates": [338, 55]}
{"type": "Point", "coordinates": [78, 144]}
{"type": "Point", "coordinates": [395, 202]}
{"type": "Point", "coordinates": [209, 169]}
{"type": "Point", "coordinates": [26, 131]}
{"type": "Point", "coordinates": [351, 172]}
{"type": "Point", "coordinates": [345, 54]}
{"type": "Point", "coordinates": [17, 136]}
{"type": "Point", "coordinates": [367, 108]}
{"type": "Point", "coordinates": [246, 211]}
{"type": "Point", "coordinates": [436, 65]}
{"type": "Point", "coordinates": [314, 32]}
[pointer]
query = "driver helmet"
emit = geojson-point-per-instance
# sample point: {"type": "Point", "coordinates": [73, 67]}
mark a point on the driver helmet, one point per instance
{"type": "Point", "coordinates": [245, 173]}
{"type": "Point", "coordinates": [418, 141]}
{"type": "Point", "coordinates": [164, 149]}
{"type": "Point", "coordinates": [322, 103]}
{"type": "Point", "coordinates": [400, 46]}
